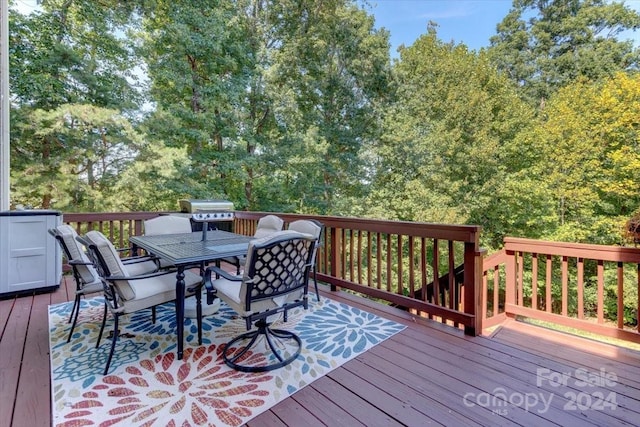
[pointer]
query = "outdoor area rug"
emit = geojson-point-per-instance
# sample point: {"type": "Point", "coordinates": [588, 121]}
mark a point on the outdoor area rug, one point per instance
{"type": "Point", "coordinates": [148, 386]}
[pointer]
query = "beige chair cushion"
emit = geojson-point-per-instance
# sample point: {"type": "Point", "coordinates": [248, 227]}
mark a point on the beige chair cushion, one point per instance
{"type": "Point", "coordinates": [230, 292]}
{"type": "Point", "coordinates": [268, 225]}
{"type": "Point", "coordinates": [108, 252]}
{"type": "Point", "coordinates": [157, 290]}
{"type": "Point", "coordinates": [140, 293]}
{"type": "Point", "coordinates": [167, 224]}
{"type": "Point", "coordinates": [306, 227]}
{"type": "Point", "coordinates": [312, 229]}
{"type": "Point", "coordinates": [113, 262]}
{"type": "Point", "coordinates": [138, 268]}
{"type": "Point", "coordinates": [87, 273]}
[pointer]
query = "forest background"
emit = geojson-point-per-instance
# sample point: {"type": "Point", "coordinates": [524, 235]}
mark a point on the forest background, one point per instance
{"type": "Point", "coordinates": [297, 106]}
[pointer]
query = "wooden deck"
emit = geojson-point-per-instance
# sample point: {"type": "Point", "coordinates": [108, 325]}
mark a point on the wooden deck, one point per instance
{"type": "Point", "coordinates": [429, 374]}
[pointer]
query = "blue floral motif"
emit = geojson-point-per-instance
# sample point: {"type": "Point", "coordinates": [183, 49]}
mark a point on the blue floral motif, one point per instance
{"type": "Point", "coordinates": [165, 320]}
{"type": "Point", "coordinates": [64, 309]}
{"type": "Point", "coordinates": [209, 324]}
{"type": "Point", "coordinates": [90, 362]}
{"type": "Point", "coordinates": [343, 331]}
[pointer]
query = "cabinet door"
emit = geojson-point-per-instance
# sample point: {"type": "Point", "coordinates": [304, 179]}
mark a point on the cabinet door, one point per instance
{"type": "Point", "coordinates": [31, 257]}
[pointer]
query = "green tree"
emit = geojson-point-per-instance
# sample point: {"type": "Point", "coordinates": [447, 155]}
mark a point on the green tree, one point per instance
{"type": "Point", "coordinates": [330, 83]}
{"type": "Point", "coordinates": [76, 153]}
{"type": "Point", "coordinates": [444, 156]}
{"type": "Point", "coordinates": [272, 98]}
{"type": "Point", "coordinates": [153, 182]}
{"type": "Point", "coordinates": [69, 67]}
{"type": "Point", "coordinates": [543, 45]}
{"type": "Point", "coordinates": [197, 60]}
{"type": "Point", "coordinates": [589, 158]}
{"type": "Point", "coordinates": [72, 52]}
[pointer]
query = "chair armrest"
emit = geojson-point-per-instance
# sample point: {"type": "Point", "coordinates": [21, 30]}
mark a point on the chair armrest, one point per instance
{"type": "Point", "coordinates": [141, 276]}
{"type": "Point", "coordinates": [79, 262]}
{"type": "Point", "coordinates": [220, 272]}
{"type": "Point", "coordinates": [209, 286]}
{"type": "Point", "coordinates": [132, 251]}
{"type": "Point", "coordinates": [138, 258]}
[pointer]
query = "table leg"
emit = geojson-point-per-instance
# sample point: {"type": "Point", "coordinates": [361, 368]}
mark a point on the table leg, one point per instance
{"type": "Point", "coordinates": [180, 309]}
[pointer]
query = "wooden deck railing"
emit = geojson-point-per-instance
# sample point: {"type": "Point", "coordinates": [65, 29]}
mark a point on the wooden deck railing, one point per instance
{"type": "Point", "coordinates": [439, 271]}
{"type": "Point", "coordinates": [117, 226]}
{"type": "Point", "coordinates": [430, 269]}
{"type": "Point", "coordinates": [594, 288]}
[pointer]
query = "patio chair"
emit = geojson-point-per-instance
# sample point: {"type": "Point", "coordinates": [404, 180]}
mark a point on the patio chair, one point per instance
{"type": "Point", "coordinates": [166, 224]}
{"type": "Point", "coordinates": [315, 229]}
{"type": "Point", "coordinates": [85, 275]}
{"type": "Point", "coordinates": [171, 224]}
{"type": "Point", "coordinates": [275, 280]}
{"type": "Point", "coordinates": [126, 293]}
{"type": "Point", "coordinates": [267, 225]}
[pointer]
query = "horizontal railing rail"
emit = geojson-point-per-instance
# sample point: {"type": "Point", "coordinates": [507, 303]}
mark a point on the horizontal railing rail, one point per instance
{"type": "Point", "coordinates": [593, 288]}
{"type": "Point", "coordinates": [434, 270]}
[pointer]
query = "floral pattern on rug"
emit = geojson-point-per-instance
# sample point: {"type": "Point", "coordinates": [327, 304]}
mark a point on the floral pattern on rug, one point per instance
{"type": "Point", "coordinates": [148, 386]}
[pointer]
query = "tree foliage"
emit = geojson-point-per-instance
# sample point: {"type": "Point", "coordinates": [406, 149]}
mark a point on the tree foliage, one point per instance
{"type": "Point", "coordinates": [588, 145]}
{"type": "Point", "coordinates": [442, 157]}
{"type": "Point", "coordinates": [270, 97]}
{"type": "Point", "coordinates": [73, 155]}
{"type": "Point", "coordinates": [335, 68]}
{"type": "Point", "coordinates": [195, 64]}
{"type": "Point", "coordinates": [294, 106]}
{"type": "Point", "coordinates": [71, 91]}
{"type": "Point", "coordinates": [545, 44]}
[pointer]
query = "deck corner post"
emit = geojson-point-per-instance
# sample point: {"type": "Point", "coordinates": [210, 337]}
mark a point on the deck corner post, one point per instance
{"type": "Point", "coordinates": [473, 285]}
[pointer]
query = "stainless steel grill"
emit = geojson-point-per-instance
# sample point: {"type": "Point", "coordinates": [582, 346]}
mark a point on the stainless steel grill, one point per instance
{"type": "Point", "coordinates": [218, 214]}
{"type": "Point", "coordinates": [205, 210]}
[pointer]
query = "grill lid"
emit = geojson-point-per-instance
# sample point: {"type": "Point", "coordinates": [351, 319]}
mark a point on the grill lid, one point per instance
{"type": "Point", "coordinates": [202, 205]}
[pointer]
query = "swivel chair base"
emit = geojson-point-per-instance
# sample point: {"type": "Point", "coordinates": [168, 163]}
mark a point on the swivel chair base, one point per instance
{"type": "Point", "coordinates": [280, 349]}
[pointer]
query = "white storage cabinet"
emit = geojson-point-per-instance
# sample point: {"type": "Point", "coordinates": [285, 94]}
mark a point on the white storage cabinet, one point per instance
{"type": "Point", "coordinates": [30, 258]}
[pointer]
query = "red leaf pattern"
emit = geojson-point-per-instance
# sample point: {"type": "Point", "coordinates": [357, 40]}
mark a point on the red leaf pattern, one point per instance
{"type": "Point", "coordinates": [193, 391]}
{"type": "Point", "coordinates": [76, 423]}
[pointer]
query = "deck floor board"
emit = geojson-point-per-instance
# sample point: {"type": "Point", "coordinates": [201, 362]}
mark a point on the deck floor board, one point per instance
{"type": "Point", "coordinates": [356, 404]}
{"type": "Point", "coordinates": [407, 406]}
{"type": "Point", "coordinates": [323, 409]}
{"type": "Point", "coordinates": [427, 374]}
{"type": "Point", "coordinates": [11, 353]}
{"type": "Point", "coordinates": [34, 375]}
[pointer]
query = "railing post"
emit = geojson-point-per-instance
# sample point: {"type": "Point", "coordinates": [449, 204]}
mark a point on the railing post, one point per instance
{"type": "Point", "coordinates": [138, 227]}
{"type": "Point", "coordinates": [473, 269]}
{"type": "Point", "coordinates": [510, 280]}
{"type": "Point", "coordinates": [335, 257]}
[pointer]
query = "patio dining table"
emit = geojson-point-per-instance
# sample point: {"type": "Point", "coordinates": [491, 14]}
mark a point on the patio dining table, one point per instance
{"type": "Point", "coordinates": [186, 249]}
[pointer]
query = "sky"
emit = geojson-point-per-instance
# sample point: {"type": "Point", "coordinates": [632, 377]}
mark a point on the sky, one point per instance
{"type": "Point", "coordinates": [471, 22]}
